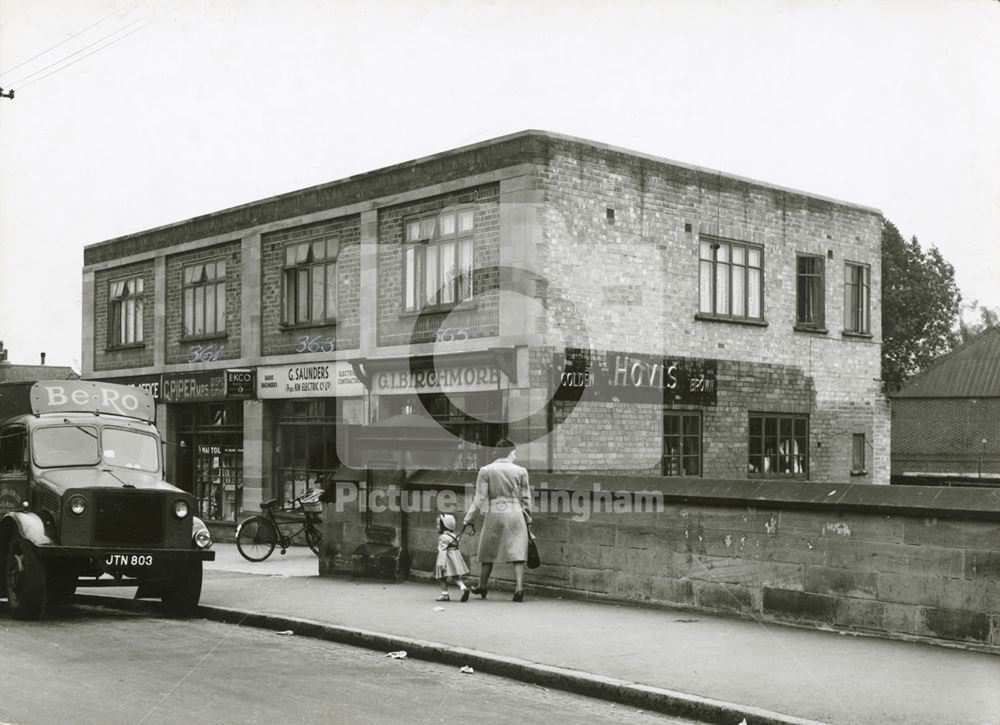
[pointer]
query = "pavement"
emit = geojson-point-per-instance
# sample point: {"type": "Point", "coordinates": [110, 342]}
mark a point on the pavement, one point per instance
{"type": "Point", "coordinates": [688, 664]}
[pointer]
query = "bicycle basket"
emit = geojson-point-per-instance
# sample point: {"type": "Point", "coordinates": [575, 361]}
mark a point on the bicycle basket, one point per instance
{"type": "Point", "coordinates": [310, 501]}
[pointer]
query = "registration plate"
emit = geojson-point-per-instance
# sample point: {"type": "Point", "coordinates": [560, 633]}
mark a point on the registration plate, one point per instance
{"type": "Point", "coordinates": [130, 560]}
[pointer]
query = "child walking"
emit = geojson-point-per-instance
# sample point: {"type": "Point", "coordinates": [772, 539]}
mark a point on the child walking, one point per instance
{"type": "Point", "coordinates": [450, 564]}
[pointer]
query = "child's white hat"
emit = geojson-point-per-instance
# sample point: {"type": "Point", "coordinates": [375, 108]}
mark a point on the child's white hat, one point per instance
{"type": "Point", "coordinates": [447, 521]}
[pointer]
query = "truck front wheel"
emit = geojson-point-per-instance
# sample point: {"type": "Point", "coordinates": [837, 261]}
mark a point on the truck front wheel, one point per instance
{"type": "Point", "coordinates": [182, 590]}
{"type": "Point", "coordinates": [25, 580]}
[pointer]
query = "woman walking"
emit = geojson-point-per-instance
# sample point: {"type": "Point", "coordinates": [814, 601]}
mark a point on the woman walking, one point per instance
{"type": "Point", "coordinates": [503, 495]}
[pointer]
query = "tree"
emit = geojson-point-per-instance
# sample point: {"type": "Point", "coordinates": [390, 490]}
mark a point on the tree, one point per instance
{"type": "Point", "coordinates": [975, 319]}
{"type": "Point", "coordinates": [921, 305]}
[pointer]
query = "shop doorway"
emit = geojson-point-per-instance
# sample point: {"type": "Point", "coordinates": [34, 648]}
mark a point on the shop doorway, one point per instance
{"type": "Point", "coordinates": [213, 468]}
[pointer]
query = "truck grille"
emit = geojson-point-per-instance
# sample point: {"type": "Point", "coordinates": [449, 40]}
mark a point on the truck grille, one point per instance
{"type": "Point", "coordinates": [128, 518]}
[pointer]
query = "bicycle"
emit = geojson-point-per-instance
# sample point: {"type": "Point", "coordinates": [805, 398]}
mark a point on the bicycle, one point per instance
{"type": "Point", "coordinates": [257, 536]}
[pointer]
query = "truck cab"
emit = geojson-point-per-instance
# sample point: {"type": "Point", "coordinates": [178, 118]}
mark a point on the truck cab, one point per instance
{"type": "Point", "coordinates": [83, 502]}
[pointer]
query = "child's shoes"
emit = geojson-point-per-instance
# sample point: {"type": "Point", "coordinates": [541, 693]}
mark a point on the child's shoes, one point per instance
{"type": "Point", "coordinates": [465, 594]}
{"type": "Point", "coordinates": [443, 597]}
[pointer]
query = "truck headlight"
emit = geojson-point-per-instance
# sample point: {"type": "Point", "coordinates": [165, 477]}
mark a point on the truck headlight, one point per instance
{"type": "Point", "coordinates": [77, 505]}
{"type": "Point", "coordinates": [181, 509]}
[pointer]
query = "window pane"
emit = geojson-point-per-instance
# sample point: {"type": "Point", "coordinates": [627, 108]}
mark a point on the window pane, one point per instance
{"type": "Point", "coordinates": [431, 274]}
{"type": "Point", "coordinates": [302, 295]}
{"type": "Point", "coordinates": [705, 250]}
{"type": "Point", "coordinates": [206, 309]}
{"type": "Point", "coordinates": [409, 284]}
{"type": "Point", "coordinates": [208, 272]}
{"type": "Point", "coordinates": [465, 220]}
{"type": "Point", "coordinates": [189, 311]}
{"type": "Point", "coordinates": [289, 256]}
{"type": "Point", "coordinates": [739, 291]}
{"type": "Point", "coordinates": [220, 269]}
{"type": "Point", "coordinates": [739, 254]}
{"type": "Point", "coordinates": [449, 273]}
{"type": "Point", "coordinates": [318, 251]}
{"type": "Point", "coordinates": [318, 292]}
{"type": "Point", "coordinates": [129, 321]}
{"type": "Point", "coordinates": [138, 285]}
{"type": "Point", "coordinates": [413, 231]}
{"type": "Point", "coordinates": [332, 249]}
{"type": "Point", "coordinates": [188, 275]}
{"type": "Point", "coordinates": [706, 293]}
{"type": "Point", "coordinates": [290, 296]}
{"type": "Point", "coordinates": [331, 291]}
{"type": "Point", "coordinates": [722, 288]}
{"type": "Point", "coordinates": [427, 228]}
{"type": "Point", "coordinates": [753, 257]}
{"type": "Point", "coordinates": [220, 308]}
{"type": "Point", "coordinates": [446, 224]}
{"type": "Point", "coordinates": [753, 294]}
{"type": "Point", "coordinates": [302, 254]}
{"type": "Point", "coordinates": [465, 269]}
{"type": "Point", "coordinates": [722, 253]}
{"type": "Point", "coordinates": [138, 321]}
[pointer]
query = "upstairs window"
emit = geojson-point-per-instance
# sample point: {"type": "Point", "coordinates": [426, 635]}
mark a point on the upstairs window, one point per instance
{"type": "Point", "coordinates": [731, 280]}
{"type": "Point", "coordinates": [437, 259]}
{"type": "Point", "coordinates": [205, 299]}
{"type": "Point", "coordinates": [125, 312]}
{"type": "Point", "coordinates": [809, 293]}
{"type": "Point", "coordinates": [310, 283]}
{"type": "Point", "coordinates": [857, 298]}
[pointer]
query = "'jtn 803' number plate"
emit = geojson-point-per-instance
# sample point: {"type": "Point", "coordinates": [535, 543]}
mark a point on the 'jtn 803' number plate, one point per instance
{"type": "Point", "coordinates": [128, 560]}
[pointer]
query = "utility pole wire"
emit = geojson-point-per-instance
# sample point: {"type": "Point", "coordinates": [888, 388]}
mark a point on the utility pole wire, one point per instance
{"type": "Point", "coordinates": [159, 13]}
{"type": "Point", "coordinates": [66, 40]}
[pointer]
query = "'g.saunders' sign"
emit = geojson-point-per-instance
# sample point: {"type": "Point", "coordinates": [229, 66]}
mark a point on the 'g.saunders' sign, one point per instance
{"type": "Point", "coordinates": [308, 380]}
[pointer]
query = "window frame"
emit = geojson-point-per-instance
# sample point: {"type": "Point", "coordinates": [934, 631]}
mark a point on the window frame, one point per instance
{"type": "Point", "coordinates": [716, 267]}
{"type": "Point", "coordinates": [416, 249]}
{"type": "Point", "coordinates": [667, 461]}
{"type": "Point", "coordinates": [810, 282]}
{"type": "Point", "coordinates": [218, 282]}
{"type": "Point", "coordinates": [773, 429]}
{"type": "Point", "coordinates": [852, 305]}
{"type": "Point", "coordinates": [298, 307]}
{"type": "Point", "coordinates": [126, 309]}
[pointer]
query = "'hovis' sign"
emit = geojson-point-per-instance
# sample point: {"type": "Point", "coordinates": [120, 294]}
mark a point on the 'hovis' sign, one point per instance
{"type": "Point", "coordinates": [84, 396]}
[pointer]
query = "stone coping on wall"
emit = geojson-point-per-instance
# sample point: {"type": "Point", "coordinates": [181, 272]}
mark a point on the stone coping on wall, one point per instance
{"type": "Point", "coordinates": [915, 501]}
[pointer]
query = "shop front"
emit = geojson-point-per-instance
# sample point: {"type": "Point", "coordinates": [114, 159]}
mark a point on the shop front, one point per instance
{"type": "Point", "coordinates": [206, 422]}
{"type": "Point", "coordinates": [310, 405]}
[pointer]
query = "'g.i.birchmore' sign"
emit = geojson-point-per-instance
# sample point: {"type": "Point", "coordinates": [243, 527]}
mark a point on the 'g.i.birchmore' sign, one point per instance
{"type": "Point", "coordinates": [633, 377]}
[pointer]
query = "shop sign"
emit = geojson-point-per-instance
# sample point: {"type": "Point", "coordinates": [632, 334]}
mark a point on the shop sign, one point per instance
{"type": "Point", "coordinates": [150, 383]}
{"type": "Point", "coordinates": [241, 383]}
{"type": "Point", "coordinates": [464, 378]}
{"type": "Point", "coordinates": [308, 380]}
{"type": "Point", "coordinates": [633, 377]}
{"type": "Point", "coordinates": [194, 387]}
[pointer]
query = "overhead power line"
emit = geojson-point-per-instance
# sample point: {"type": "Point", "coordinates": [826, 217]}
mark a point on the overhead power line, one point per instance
{"type": "Point", "coordinates": [61, 64]}
{"type": "Point", "coordinates": [78, 33]}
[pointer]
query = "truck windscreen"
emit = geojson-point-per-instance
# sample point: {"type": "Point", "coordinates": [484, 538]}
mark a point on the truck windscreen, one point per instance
{"type": "Point", "coordinates": [66, 445]}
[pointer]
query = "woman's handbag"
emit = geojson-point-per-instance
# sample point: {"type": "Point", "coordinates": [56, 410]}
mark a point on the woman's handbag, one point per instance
{"type": "Point", "coordinates": [534, 561]}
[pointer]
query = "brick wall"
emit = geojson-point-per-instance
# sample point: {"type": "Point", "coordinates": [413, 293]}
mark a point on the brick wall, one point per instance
{"type": "Point", "coordinates": [276, 340]}
{"type": "Point", "coordinates": [945, 435]}
{"type": "Point", "coordinates": [179, 350]}
{"type": "Point", "coordinates": [647, 299]}
{"type": "Point", "coordinates": [832, 555]}
{"type": "Point", "coordinates": [130, 357]}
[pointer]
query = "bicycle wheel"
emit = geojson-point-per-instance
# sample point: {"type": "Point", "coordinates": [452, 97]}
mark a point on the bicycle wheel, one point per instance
{"type": "Point", "coordinates": [314, 538]}
{"type": "Point", "coordinates": [256, 539]}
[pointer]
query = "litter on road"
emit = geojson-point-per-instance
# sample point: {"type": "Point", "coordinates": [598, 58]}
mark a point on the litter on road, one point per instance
{"type": "Point", "coordinates": [400, 655]}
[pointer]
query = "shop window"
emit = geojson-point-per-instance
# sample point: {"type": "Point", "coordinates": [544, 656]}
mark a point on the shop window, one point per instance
{"type": "Point", "coordinates": [681, 444]}
{"type": "Point", "coordinates": [466, 416]}
{"type": "Point", "coordinates": [307, 446]}
{"type": "Point", "coordinates": [215, 432]}
{"type": "Point", "coordinates": [125, 312]}
{"type": "Point", "coordinates": [857, 299]}
{"type": "Point", "coordinates": [310, 283]}
{"type": "Point", "coordinates": [731, 284]}
{"type": "Point", "coordinates": [809, 293]}
{"type": "Point", "coordinates": [205, 299]}
{"type": "Point", "coordinates": [437, 259]}
{"type": "Point", "coordinates": [858, 467]}
{"type": "Point", "coordinates": [779, 446]}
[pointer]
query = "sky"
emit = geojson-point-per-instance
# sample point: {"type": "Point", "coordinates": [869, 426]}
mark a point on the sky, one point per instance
{"type": "Point", "coordinates": [131, 114]}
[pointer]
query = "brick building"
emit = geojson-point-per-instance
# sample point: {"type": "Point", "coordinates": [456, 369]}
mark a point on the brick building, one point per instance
{"type": "Point", "coordinates": [612, 311]}
{"type": "Point", "coordinates": [946, 420]}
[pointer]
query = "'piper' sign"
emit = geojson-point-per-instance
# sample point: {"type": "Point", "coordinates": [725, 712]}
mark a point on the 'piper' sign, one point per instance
{"type": "Point", "coordinates": [84, 396]}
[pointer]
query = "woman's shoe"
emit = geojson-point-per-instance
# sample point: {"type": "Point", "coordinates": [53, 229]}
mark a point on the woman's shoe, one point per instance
{"type": "Point", "coordinates": [481, 591]}
{"type": "Point", "coordinates": [518, 596]}
{"type": "Point", "coordinates": [465, 594]}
